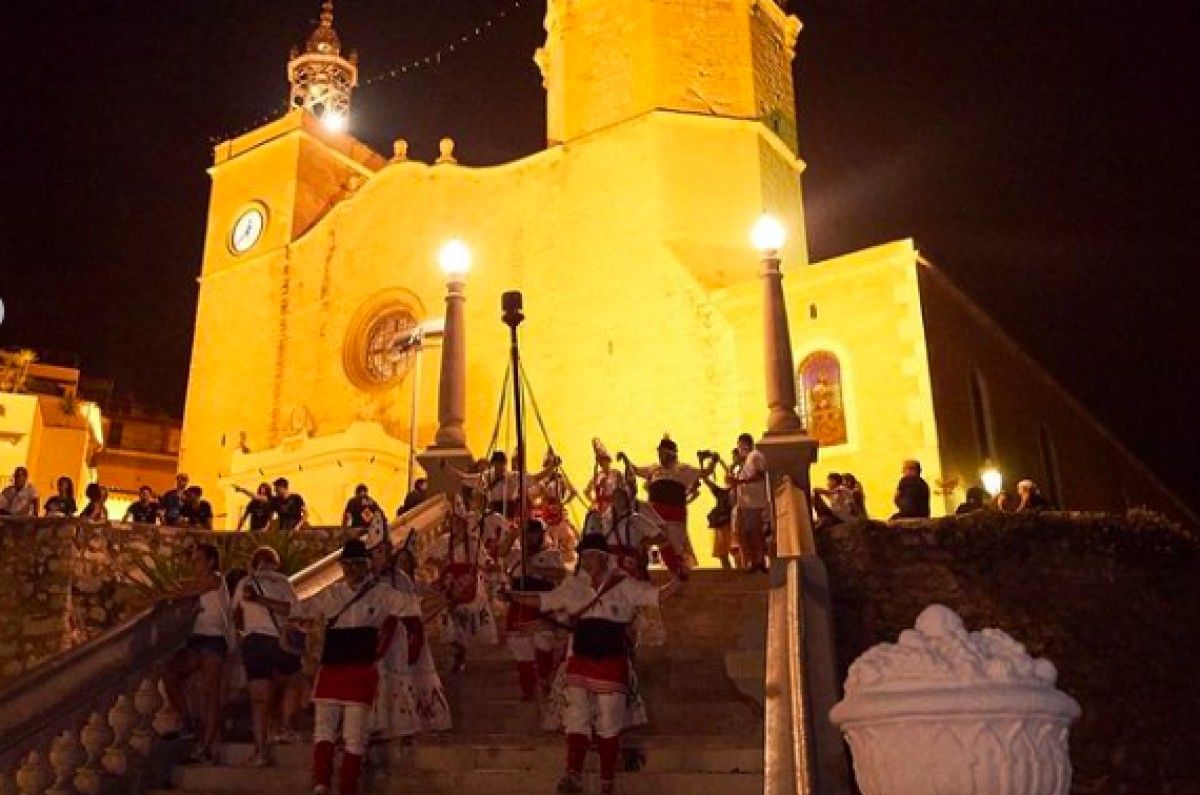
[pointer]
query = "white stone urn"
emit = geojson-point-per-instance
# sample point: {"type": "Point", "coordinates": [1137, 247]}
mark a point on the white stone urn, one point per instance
{"type": "Point", "coordinates": [950, 712]}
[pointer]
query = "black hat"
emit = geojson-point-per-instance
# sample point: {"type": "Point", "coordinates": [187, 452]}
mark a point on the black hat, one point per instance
{"type": "Point", "coordinates": [355, 549]}
{"type": "Point", "coordinates": [668, 443]}
{"type": "Point", "coordinates": [592, 542]}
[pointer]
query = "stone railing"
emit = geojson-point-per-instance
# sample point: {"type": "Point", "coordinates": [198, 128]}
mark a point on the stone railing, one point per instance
{"type": "Point", "coordinates": [802, 750]}
{"type": "Point", "coordinates": [92, 719]}
{"type": "Point", "coordinates": [69, 581]}
{"type": "Point", "coordinates": [89, 720]}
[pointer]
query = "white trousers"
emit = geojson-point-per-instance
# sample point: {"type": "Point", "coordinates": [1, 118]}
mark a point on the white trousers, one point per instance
{"type": "Point", "coordinates": [523, 646]}
{"type": "Point", "coordinates": [603, 712]}
{"type": "Point", "coordinates": [352, 719]}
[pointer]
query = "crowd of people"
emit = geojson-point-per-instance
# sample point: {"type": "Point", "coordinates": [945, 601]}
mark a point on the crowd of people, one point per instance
{"type": "Point", "coordinates": [570, 604]}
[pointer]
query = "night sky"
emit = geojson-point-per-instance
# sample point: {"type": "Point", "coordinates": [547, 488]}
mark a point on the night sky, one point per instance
{"type": "Point", "coordinates": [1041, 153]}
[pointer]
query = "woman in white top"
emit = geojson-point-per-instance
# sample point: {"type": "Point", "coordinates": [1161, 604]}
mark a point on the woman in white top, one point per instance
{"type": "Point", "coordinates": [271, 669]}
{"type": "Point", "coordinates": [206, 649]}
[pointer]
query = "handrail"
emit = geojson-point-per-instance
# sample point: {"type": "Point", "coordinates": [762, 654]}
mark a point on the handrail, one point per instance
{"type": "Point", "coordinates": [801, 757]}
{"type": "Point", "coordinates": [326, 571]}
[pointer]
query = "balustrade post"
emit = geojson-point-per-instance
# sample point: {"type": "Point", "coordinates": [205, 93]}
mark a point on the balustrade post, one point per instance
{"type": "Point", "coordinates": [147, 701]}
{"type": "Point", "coordinates": [121, 719]}
{"type": "Point", "coordinates": [94, 737]}
{"type": "Point", "coordinates": [33, 776]}
{"type": "Point", "coordinates": [66, 755]}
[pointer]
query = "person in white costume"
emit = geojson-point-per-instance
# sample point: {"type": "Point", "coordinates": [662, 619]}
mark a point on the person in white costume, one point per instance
{"type": "Point", "coordinates": [411, 697]}
{"type": "Point", "coordinates": [530, 638]}
{"type": "Point", "coordinates": [600, 600]}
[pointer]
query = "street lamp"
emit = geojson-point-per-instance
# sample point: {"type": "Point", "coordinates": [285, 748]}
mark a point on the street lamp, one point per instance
{"type": "Point", "coordinates": [768, 236]}
{"type": "Point", "coordinates": [992, 479]}
{"type": "Point", "coordinates": [455, 261]}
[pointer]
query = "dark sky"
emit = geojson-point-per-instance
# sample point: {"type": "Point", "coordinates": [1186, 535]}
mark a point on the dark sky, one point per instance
{"type": "Point", "coordinates": [1042, 153]}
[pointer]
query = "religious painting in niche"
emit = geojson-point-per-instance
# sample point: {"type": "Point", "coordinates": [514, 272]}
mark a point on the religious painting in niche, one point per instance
{"type": "Point", "coordinates": [822, 408]}
{"type": "Point", "coordinates": [390, 345]}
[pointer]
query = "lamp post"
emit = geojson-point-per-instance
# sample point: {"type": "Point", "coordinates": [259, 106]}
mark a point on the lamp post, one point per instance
{"type": "Point", "coordinates": [788, 449]}
{"type": "Point", "coordinates": [450, 442]}
{"type": "Point", "coordinates": [992, 479]}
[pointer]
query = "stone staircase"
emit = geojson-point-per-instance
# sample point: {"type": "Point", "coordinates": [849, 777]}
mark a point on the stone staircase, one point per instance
{"type": "Point", "coordinates": [704, 736]}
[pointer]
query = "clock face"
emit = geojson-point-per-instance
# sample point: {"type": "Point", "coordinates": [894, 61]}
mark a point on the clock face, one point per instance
{"type": "Point", "coordinates": [247, 230]}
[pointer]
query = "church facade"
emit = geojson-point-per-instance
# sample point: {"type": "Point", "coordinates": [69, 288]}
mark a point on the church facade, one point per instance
{"type": "Point", "coordinates": [671, 127]}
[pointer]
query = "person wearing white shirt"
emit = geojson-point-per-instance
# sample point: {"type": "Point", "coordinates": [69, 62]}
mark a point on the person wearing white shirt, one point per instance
{"type": "Point", "coordinates": [671, 485]}
{"type": "Point", "coordinates": [530, 639]}
{"type": "Point", "coordinates": [361, 616]}
{"type": "Point", "coordinates": [751, 489]}
{"type": "Point", "coordinates": [21, 498]}
{"type": "Point", "coordinates": [270, 669]}
{"type": "Point", "coordinates": [601, 601]}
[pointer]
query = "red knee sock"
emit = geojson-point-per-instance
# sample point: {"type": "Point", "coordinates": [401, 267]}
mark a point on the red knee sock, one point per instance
{"type": "Point", "coordinates": [527, 675]}
{"type": "Point", "coordinates": [577, 748]}
{"type": "Point", "coordinates": [323, 764]}
{"type": "Point", "coordinates": [351, 770]}
{"type": "Point", "coordinates": [610, 748]}
{"type": "Point", "coordinates": [545, 665]}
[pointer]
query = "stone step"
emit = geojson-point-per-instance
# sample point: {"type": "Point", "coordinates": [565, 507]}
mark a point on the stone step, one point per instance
{"type": "Point", "coordinates": [480, 781]}
{"type": "Point", "coordinates": [677, 755]}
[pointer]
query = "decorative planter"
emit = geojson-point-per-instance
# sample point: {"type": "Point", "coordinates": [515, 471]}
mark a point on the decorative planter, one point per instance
{"type": "Point", "coordinates": [947, 712]}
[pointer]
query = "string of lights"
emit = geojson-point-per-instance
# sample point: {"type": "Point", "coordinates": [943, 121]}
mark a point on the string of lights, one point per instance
{"type": "Point", "coordinates": [433, 58]}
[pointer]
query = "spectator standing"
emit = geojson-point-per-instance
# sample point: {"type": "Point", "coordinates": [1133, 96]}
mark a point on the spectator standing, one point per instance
{"type": "Point", "coordinates": [95, 510]}
{"type": "Point", "coordinates": [418, 495]}
{"type": "Point", "coordinates": [271, 671]}
{"type": "Point", "coordinates": [976, 501]}
{"type": "Point", "coordinates": [1004, 502]}
{"type": "Point", "coordinates": [834, 504]}
{"type": "Point", "coordinates": [1031, 498]}
{"type": "Point", "coordinates": [912, 493]}
{"type": "Point", "coordinates": [145, 510]}
{"type": "Point", "coordinates": [206, 649]}
{"type": "Point", "coordinates": [259, 510]}
{"type": "Point", "coordinates": [63, 502]}
{"type": "Point", "coordinates": [720, 521]}
{"type": "Point", "coordinates": [361, 510]}
{"type": "Point", "coordinates": [751, 482]}
{"type": "Point", "coordinates": [196, 511]}
{"type": "Point", "coordinates": [857, 493]}
{"type": "Point", "coordinates": [21, 498]}
{"type": "Point", "coordinates": [172, 501]}
{"type": "Point", "coordinates": [289, 507]}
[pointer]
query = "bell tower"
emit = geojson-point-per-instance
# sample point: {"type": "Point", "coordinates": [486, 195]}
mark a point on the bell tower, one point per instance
{"type": "Point", "coordinates": [322, 80]}
{"type": "Point", "coordinates": [609, 61]}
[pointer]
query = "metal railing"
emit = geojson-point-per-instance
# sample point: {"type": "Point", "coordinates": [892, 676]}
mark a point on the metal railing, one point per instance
{"type": "Point", "coordinates": [93, 715]}
{"type": "Point", "coordinates": [802, 751]}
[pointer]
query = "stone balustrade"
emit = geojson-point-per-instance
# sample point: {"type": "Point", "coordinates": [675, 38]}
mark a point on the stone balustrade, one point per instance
{"type": "Point", "coordinates": [90, 722]}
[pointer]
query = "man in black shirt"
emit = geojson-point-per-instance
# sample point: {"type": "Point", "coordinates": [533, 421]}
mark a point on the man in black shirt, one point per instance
{"type": "Point", "coordinates": [361, 509]}
{"type": "Point", "coordinates": [912, 493]}
{"type": "Point", "coordinates": [145, 510]}
{"type": "Point", "coordinates": [196, 512]}
{"type": "Point", "coordinates": [289, 507]}
{"type": "Point", "coordinates": [418, 495]}
{"type": "Point", "coordinates": [172, 501]}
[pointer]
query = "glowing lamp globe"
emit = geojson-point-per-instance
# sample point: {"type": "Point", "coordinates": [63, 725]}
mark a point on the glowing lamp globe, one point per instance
{"type": "Point", "coordinates": [993, 480]}
{"type": "Point", "coordinates": [335, 122]}
{"type": "Point", "coordinates": [768, 234]}
{"type": "Point", "coordinates": [455, 259]}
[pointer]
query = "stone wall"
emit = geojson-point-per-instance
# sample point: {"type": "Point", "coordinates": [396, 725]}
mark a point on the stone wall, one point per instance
{"type": "Point", "coordinates": [1112, 601]}
{"type": "Point", "coordinates": [66, 582]}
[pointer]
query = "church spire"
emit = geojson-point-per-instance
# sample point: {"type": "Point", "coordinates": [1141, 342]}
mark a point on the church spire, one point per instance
{"type": "Point", "coordinates": [322, 80]}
